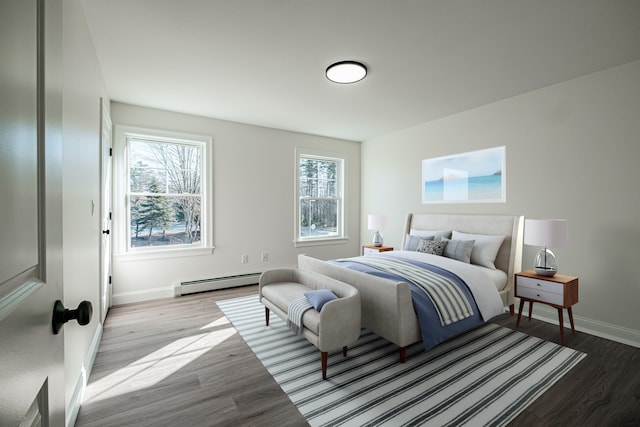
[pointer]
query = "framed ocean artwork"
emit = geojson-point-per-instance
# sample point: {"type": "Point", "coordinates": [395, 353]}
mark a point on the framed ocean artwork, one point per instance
{"type": "Point", "coordinates": [472, 177]}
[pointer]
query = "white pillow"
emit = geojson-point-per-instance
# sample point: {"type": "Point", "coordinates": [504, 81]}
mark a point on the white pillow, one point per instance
{"type": "Point", "coordinates": [437, 234]}
{"type": "Point", "coordinates": [485, 249]}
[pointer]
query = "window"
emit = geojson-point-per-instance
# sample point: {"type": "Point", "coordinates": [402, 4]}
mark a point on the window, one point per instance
{"type": "Point", "coordinates": [163, 179]}
{"type": "Point", "coordinates": [320, 192]}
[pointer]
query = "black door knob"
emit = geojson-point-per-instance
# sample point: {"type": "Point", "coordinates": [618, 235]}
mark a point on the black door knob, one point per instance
{"type": "Point", "coordinates": [62, 315]}
{"type": "Point", "coordinates": [105, 231]}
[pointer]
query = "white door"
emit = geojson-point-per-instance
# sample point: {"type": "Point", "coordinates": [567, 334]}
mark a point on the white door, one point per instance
{"type": "Point", "coordinates": [31, 356]}
{"type": "Point", "coordinates": [105, 211]}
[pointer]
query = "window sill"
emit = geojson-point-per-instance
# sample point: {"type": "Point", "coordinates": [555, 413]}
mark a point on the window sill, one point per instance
{"type": "Point", "coordinates": [163, 254]}
{"type": "Point", "coordinates": [320, 242]}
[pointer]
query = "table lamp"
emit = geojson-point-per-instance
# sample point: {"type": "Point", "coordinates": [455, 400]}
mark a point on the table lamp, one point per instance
{"type": "Point", "coordinates": [546, 232]}
{"type": "Point", "coordinates": [377, 222]}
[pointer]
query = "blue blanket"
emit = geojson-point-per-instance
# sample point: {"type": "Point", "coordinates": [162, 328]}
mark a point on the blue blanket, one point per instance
{"type": "Point", "coordinates": [431, 326]}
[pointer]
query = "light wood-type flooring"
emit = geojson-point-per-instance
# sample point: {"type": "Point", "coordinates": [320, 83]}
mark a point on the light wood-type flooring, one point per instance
{"type": "Point", "coordinates": [179, 362]}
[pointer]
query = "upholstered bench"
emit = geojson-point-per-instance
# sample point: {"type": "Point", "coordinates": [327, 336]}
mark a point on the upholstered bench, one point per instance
{"type": "Point", "coordinates": [335, 326]}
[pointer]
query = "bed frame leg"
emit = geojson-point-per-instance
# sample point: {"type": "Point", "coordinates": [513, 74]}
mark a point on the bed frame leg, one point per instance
{"type": "Point", "coordinates": [266, 315]}
{"type": "Point", "coordinates": [323, 357]}
{"type": "Point", "coordinates": [512, 309]}
{"type": "Point", "coordinates": [403, 354]}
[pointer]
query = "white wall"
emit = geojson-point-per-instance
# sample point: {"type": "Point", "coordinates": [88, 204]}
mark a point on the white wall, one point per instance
{"type": "Point", "coordinates": [83, 86]}
{"type": "Point", "coordinates": [572, 152]}
{"type": "Point", "coordinates": [253, 199]}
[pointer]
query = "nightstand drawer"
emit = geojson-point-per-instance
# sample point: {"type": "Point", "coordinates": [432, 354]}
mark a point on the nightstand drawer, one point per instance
{"type": "Point", "coordinates": [540, 295]}
{"type": "Point", "coordinates": [559, 291]}
{"type": "Point", "coordinates": [539, 285]}
{"type": "Point", "coordinates": [370, 249]}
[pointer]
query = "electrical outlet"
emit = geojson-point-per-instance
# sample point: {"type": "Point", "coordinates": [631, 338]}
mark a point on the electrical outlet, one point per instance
{"type": "Point", "coordinates": [244, 258]}
{"type": "Point", "coordinates": [265, 257]}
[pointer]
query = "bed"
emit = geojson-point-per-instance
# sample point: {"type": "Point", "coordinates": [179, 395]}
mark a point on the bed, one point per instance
{"type": "Point", "coordinates": [388, 300]}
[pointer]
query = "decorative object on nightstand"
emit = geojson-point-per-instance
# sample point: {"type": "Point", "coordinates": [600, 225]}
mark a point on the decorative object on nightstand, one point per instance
{"type": "Point", "coordinates": [559, 291]}
{"type": "Point", "coordinates": [371, 249]}
{"type": "Point", "coordinates": [377, 222]}
{"type": "Point", "coordinates": [546, 232]}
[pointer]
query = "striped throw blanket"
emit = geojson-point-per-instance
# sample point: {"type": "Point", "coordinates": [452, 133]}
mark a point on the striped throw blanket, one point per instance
{"type": "Point", "coordinates": [295, 312]}
{"type": "Point", "coordinates": [449, 301]}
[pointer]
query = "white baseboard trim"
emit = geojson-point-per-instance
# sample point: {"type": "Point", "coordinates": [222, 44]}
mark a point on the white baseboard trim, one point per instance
{"type": "Point", "coordinates": [594, 327]}
{"type": "Point", "coordinates": [81, 383]}
{"type": "Point", "coordinates": [143, 295]}
{"type": "Point", "coordinates": [215, 283]}
{"type": "Point", "coordinates": [177, 290]}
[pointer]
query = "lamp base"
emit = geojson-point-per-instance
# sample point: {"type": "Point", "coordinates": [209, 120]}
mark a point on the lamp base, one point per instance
{"type": "Point", "coordinates": [377, 239]}
{"type": "Point", "coordinates": [547, 272]}
{"type": "Point", "coordinates": [545, 263]}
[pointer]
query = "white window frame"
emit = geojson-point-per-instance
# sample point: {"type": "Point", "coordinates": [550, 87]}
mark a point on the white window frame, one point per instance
{"type": "Point", "coordinates": [121, 221]}
{"type": "Point", "coordinates": [342, 237]}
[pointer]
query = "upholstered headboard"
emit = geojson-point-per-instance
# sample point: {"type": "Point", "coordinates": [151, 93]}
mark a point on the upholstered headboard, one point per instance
{"type": "Point", "coordinates": [509, 258]}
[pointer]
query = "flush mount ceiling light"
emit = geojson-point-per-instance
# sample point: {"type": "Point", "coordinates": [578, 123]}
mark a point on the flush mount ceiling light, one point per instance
{"type": "Point", "coordinates": [344, 72]}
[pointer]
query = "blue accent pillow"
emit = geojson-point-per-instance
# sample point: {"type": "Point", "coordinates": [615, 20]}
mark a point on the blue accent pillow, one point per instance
{"type": "Point", "coordinates": [412, 242]}
{"type": "Point", "coordinates": [320, 297]}
{"type": "Point", "coordinates": [485, 248]}
{"type": "Point", "coordinates": [459, 249]}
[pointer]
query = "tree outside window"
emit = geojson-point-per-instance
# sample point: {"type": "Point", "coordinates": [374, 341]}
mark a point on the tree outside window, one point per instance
{"type": "Point", "coordinates": [165, 193]}
{"type": "Point", "coordinates": [319, 197]}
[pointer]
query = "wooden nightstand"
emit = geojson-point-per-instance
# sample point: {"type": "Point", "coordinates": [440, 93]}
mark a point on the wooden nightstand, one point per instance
{"type": "Point", "coordinates": [558, 291]}
{"type": "Point", "coordinates": [370, 249]}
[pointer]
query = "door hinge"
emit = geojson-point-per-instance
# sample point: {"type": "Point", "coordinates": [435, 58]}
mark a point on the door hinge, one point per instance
{"type": "Point", "coordinates": [110, 152]}
{"type": "Point", "coordinates": [109, 279]}
{"type": "Point", "coordinates": [109, 216]}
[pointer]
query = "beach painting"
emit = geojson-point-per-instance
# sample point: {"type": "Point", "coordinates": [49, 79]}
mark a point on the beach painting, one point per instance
{"type": "Point", "coordinates": [472, 177]}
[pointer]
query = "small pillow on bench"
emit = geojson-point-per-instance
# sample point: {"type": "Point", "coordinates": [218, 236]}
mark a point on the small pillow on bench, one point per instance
{"type": "Point", "coordinates": [320, 297]}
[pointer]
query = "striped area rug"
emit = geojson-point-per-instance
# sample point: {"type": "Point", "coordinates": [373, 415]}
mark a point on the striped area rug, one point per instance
{"type": "Point", "coordinates": [484, 377]}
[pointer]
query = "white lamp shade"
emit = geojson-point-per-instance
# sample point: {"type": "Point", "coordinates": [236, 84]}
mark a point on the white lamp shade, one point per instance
{"type": "Point", "coordinates": [376, 222]}
{"type": "Point", "coordinates": [546, 232]}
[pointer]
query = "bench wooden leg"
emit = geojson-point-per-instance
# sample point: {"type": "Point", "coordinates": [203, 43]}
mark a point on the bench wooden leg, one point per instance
{"type": "Point", "coordinates": [512, 309]}
{"type": "Point", "coordinates": [403, 354]}
{"type": "Point", "coordinates": [344, 351]}
{"type": "Point", "coordinates": [323, 357]}
{"type": "Point", "coordinates": [266, 315]}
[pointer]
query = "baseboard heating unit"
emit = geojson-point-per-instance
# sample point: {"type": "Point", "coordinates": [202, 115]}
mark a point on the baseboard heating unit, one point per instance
{"type": "Point", "coordinates": [194, 286]}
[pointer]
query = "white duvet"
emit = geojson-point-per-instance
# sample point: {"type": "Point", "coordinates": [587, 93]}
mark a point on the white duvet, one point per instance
{"type": "Point", "coordinates": [483, 282]}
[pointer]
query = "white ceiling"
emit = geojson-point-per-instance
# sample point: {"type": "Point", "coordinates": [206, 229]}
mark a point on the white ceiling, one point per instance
{"type": "Point", "coordinates": [262, 61]}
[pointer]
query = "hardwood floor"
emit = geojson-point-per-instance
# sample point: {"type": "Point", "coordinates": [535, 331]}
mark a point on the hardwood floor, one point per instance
{"type": "Point", "coordinates": [180, 362]}
{"type": "Point", "coordinates": [603, 390]}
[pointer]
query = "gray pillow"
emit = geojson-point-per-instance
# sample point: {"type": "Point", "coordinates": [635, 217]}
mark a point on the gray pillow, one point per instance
{"type": "Point", "coordinates": [412, 242]}
{"type": "Point", "coordinates": [459, 249]}
{"type": "Point", "coordinates": [485, 249]}
{"type": "Point", "coordinates": [431, 246]}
